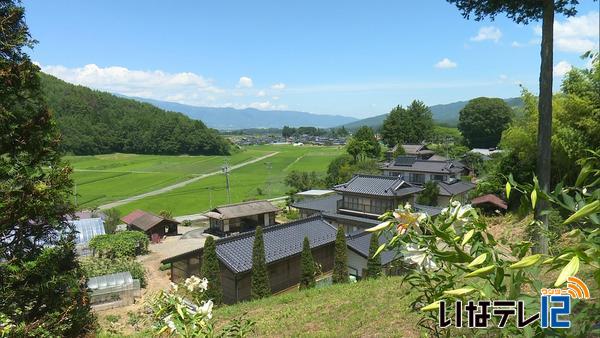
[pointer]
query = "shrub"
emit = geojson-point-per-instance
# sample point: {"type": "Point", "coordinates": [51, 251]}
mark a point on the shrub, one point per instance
{"type": "Point", "coordinates": [260, 275]}
{"type": "Point", "coordinates": [374, 261]}
{"type": "Point", "coordinates": [121, 244]}
{"type": "Point", "coordinates": [307, 267]}
{"type": "Point", "coordinates": [340, 259]}
{"type": "Point", "coordinates": [211, 271]}
{"type": "Point", "coordinates": [429, 195]}
{"type": "Point", "coordinates": [95, 266]}
{"type": "Point", "coordinates": [113, 218]}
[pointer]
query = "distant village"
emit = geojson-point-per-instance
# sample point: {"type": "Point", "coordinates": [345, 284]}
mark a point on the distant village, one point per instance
{"type": "Point", "coordinates": [354, 206]}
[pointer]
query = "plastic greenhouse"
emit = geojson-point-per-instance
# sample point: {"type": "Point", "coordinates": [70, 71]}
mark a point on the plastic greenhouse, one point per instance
{"type": "Point", "coordinates": [113, 290]}
{"type": "Point", "coordinates": [86, 230]}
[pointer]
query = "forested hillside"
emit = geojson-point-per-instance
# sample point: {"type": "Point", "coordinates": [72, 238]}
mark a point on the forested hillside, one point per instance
{"type": "Point", "coordinates": [93, 122]}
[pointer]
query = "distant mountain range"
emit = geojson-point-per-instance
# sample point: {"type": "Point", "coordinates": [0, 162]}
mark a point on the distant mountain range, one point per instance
{"type": "Point", "coordinates": [233, 119]}
{"type": "Point", "coordinates": [442, 113]}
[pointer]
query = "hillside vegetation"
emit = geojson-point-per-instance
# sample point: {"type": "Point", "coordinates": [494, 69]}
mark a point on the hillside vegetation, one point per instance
{"type": "Point", "coordinates": [94, 122]}
{"type": "Point", "coordinates": [369, 308]}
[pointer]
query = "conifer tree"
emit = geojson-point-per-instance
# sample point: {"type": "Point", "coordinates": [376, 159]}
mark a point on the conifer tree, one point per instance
{"type": "Point", "coordinates": [374, 262]}
{"type": "Point", "coordinates": [307, 267]}
{"type": "Point", "coordinates": [42, 288]}
{"type": "Point", "coordinates": [260, 274]}
{"type": "Point", "coordinates": [340, 258]}
{"type": "Point", "coordinates": [211, 271]}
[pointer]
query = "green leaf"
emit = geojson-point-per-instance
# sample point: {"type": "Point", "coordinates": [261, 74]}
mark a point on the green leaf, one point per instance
{"type": "Point", "coordinates": [587, 210]}
{"type": "Point", "coordinates": [533, 198]}
{"type": "Point", "coordinates": [526, 262]}
{"type": "Point", "coordinates": [478, 261]}
{"type": "Point", "coordinates": [433, 306]}
{"type": "Point", "coordinates": [508, 187]}
{"type": "Point", "coordinates": [459, 292]}
{"type": "Point", "coordinates": [569, 270]}
{"type": "Point", "coordinates": [379, 249]}
{"type": "Point", "coordinates": [467, 237]}
{"type": "Point", "coordinates": [480, 272]}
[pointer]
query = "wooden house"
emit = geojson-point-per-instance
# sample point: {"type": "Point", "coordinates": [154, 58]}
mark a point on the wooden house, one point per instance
{"type": "Point", "coordinates": [153, 225]}
{"type": "Point", "coordinates": [283, 246]}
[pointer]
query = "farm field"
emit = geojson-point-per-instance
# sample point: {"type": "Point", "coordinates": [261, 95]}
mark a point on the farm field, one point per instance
{"type": "Point", "coordinates": [259, 180]}
{"type": "Point", "coordinates": [105, 178]}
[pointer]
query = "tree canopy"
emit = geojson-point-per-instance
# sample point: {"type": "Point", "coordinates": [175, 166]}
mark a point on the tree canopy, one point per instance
{"type": "Point", "coordinates": [363, 144]}
{"type": "Point", "coordinates": [260, 285]}
{"type": "Point", "coordinates": [482, 121]}
{"type": "Point", "coordinates": [94, 122]}
{"type": "Point", "coordinates": [411, 125]}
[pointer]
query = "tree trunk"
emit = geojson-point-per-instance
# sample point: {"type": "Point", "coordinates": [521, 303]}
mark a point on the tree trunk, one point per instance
{"type": "Point", "coordinates": [544, 136]}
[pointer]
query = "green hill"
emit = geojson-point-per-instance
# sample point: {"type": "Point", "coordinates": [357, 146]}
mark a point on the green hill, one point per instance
{"type": "Point", "coordinates": [94, 122]}
{"type": "Point", "coordinates": [442, 114]}
{"type": "Point", "coordinates": [365, 309]}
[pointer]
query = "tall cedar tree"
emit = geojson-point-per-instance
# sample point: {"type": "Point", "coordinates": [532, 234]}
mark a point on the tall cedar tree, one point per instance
{"type": "Point", "coordinates": [211, 271]}
{"type": "Point", "coordinates": [340, 258]}
{"type": "Point", "coordinates": [260, 274]}
{"type": "Point", "coordinates": [374, 262]}
{"type": "Point", "coordinates": [525, 11]}
{"type": "Point", "coordinates": [43, 289]}
{"type": "Point", "coordinates": [411, 125]}
{"type": "Point", "coordinates": [307, 267]}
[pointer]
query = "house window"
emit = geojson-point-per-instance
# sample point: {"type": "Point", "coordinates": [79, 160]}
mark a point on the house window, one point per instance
{"type": "Point", "coordinates": [417, 178]}
{"type": "Point", "coordinates": [438, 178]}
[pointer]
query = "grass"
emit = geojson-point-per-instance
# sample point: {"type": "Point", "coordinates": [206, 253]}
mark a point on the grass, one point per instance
{"type": "Point", "coordinates": [368, 308]}
{"type": "Point", "coordinates": [105, 178]}
{"type": "Point", "coordinates": [267, 175]}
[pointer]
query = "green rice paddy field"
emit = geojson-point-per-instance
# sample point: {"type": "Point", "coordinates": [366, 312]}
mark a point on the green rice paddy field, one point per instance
{"type": "Point", "coordinates": [105, 178]}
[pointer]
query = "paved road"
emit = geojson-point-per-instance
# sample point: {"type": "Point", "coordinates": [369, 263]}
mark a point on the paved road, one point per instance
{"type": "Point", "coordinates": [180, 184]}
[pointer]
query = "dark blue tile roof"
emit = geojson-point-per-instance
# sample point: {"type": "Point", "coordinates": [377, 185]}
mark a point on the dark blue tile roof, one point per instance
{"type": "Point", "coordinates": [360, 242]}
{"type": "Point", "coordinates": [326, 204]}
{"type": "Point", "coordinates": [281, 241]}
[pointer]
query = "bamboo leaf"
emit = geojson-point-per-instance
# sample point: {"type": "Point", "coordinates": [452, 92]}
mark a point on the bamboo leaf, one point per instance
{"type": "Point", "coordinates": [569, 270]}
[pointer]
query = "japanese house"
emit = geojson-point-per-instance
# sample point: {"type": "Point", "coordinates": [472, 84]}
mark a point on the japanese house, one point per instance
{"type": "Point", "coordinates": [358, 255]}
{"type": "Point", "coordinates": [283, 245]}
{"type": "Point", "coordinates": [240, 217]}
{"type": "Point", "coordinates": [153, 225]}
{"type": "Point", "coordinates": [417, 150]}
{"type": "Point", "coordinates": [418, 171]}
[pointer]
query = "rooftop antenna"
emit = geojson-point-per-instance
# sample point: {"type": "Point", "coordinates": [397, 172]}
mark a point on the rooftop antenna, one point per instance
{"type": "Point", "coordinates": [226, 170]}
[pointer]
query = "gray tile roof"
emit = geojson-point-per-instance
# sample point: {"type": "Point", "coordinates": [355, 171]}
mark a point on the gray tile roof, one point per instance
{"type": "Point", "coordinates": [427, 166]}
{"type": "Point", "coordinates": [416, 149]}
{"type": "Point", "coordinates": [377, 185]}
{"type": "Point", "coordinates": [455, 188]}
{"type": "Point", "coordinates": [405, 160]}
{"type": "Point", "coordinates": [281, 241]}
{"type": "Point", "coordinates": [328, 203]}
{"type": "Point", "coordinates": [429, 210]}
{"type": "Point", "coordinates": [360, 242]}
{"type": "Point", "coordinates": [368, 222]}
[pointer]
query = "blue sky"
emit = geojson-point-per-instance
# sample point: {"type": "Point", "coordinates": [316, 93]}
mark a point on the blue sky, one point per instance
{"type": "Point", "coordinates": [353, 58]}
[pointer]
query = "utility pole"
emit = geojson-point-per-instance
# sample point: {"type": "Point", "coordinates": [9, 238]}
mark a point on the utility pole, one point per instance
{"type": "Point", "coordinates": [226, 169]}
{"type": "Point", "coordinates": [75, 193]}
{"type": "Point", "coordinates": [269, 167]}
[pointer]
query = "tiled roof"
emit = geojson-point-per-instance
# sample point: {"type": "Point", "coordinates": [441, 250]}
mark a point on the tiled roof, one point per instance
{"type": "Point", "coordinates": [143, 220]}
{"type": "Point", "coordinates": [427, 166]}
{"type": "Point", "coordinates": [328, 203]}
{"type": "Point", "coordinates": [87, 229]}
{"type": "Point", "coordinates": [455, 187]}
{"type": "Point", "coordinates": [377, 185]}
{"type": "Point", "coordinates": [244, 209]}
{"type": "Point", "coordinates": [429, 210]}
{"type": "Point", "coordinates": [368, 222]}
{"type": "Point", "coordinates": [405, 160]}
{"type": "Point", "coordinates": [281, 241]}
{"type": "Point", "coordinates": [361, 241]}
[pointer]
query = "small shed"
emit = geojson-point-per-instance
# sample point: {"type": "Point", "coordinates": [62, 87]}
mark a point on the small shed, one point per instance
{"type": "Point", "coordinates": [489, 203]}
{"type": "Point", "coordinates": [153, 225]}
{"type": "Point", "coordinates": [240, 217]}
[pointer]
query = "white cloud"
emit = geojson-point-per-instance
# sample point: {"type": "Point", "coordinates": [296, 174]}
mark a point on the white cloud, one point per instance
{"type": "Point", "coordinates": [561, 68]}
{"type": "Point", "coordinates": [516, 44]}
{"type": "Point", "coordinates": [488, 33]}
{"type": "Point", "coordinates": [503, 77]}
{"type": "Point", "coordinates": [278, 86]}
{"type": "Point", "coordinates": [185, 87]}
{"type": "Point", "coordinates": [576, 34]}
{"type": "Point", "coordinates": [245, 82]}
{"type": "Point", "coordinates": [275, 98]}
{"type": "Point", "coordinates": [264, 105]}
{"type": "Point", "coordinates": [261, 93]}
{"type": "Point", "coordinates": [445, 63]}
